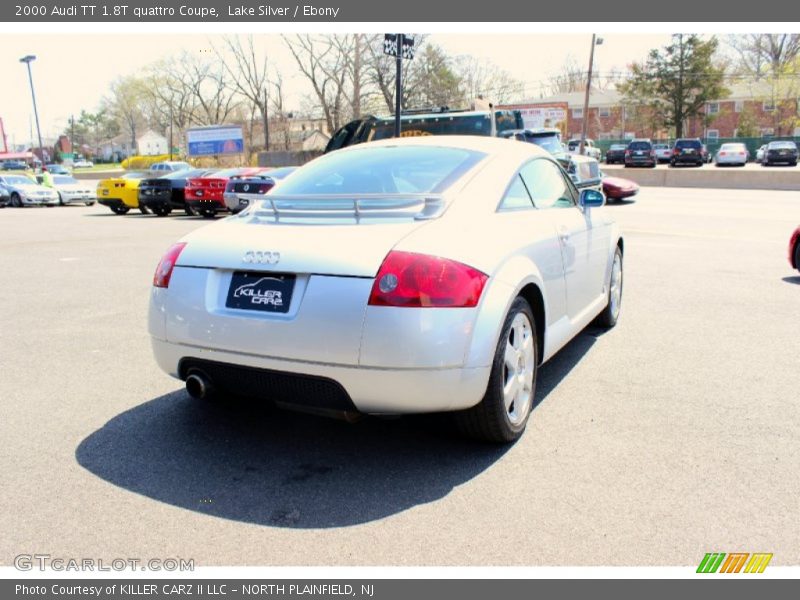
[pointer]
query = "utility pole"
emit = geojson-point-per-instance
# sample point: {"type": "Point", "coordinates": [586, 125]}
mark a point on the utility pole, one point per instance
{"type": "Point", "coordinates": [595, 41]}
{"type": "Point", "coordinates": [28, 60]}
{"type": "Point", "coordinates": [398, 93]}
{"type": "Point", "coordinates": [170, 130]}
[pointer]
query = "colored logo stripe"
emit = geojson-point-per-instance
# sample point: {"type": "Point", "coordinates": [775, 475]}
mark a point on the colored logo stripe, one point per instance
{"type": "Point", "coordinates": [758, 562]}
{"type": "Point", "coordinates": [711, 562]}
{"type": "Point", "coordinates": [734, 562]}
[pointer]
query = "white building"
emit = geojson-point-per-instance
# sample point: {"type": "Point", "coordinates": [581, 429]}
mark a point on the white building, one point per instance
{"type": "Point", "coordinates": [151, 143]}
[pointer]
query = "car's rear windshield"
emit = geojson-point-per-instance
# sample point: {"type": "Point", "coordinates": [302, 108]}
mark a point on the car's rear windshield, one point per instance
{"type": "Point", "coordinates": [383, 170]}
{"type": "Point", "coordinates": [444, 124]}
{"type": "Point", "coordinates": [639, 145]}
{"type": "Point", "coordinates": [617, 147]}
{"type": "Point", "coordinates": [688, 144]}
{"type": "Point", "coordinates": [661, 147]}
{"type": "Point", "coordinates": [732, 147]}
{"type": "Point", "coordinates": [785, 145]}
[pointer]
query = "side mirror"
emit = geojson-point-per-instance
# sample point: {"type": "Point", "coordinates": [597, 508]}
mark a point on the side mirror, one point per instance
{"type": "Point", "coordinates": [590, 198]}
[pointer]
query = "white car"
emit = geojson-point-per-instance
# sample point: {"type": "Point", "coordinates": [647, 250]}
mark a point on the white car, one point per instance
{"type": "Point", "coordinates": [760, 153]}
{"type": "Point", "coordinates": [734, 154]}
{"type": "Point", "coordinates": [663, 152]}
{"type": "Point", "coordinates": [407, 275]}
{"type": "Point", "coordinates": [589, 148]}
{"type": "Point", "coordinates": [82, 163]}
{"type": "Point", "coordinates": [24, 191]}
{"type": "Point", "coordinates": [72, 191]}
{"type": "Point", "coordinates": [168, 166]}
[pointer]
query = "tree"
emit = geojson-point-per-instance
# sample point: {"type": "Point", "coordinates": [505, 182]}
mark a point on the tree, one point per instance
{"type": "Point", "coordinates": [125, 104]}
{"type": "Point", "coordinates": [249, 73]}
{"type": "Point", "coordinates": [676, 81]}
{"type": "Point", "coordinates": [748, 124]}
{"type": "Point", "coordinates": [480, 78]}
{"type": "Point", "coordinates": [762, 54]}
{"type": "Point", "coordinates": [324, 61]}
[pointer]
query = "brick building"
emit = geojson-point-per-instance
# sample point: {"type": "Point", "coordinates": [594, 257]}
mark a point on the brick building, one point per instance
{"type": "Point", "coordinates": [766, 110]}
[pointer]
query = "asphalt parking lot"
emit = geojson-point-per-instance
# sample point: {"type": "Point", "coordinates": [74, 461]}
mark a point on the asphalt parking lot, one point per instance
{"type": "Point", "coordinates": [673, 435]}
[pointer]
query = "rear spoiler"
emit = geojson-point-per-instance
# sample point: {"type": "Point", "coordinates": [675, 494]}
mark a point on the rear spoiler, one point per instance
{"type": "Point", "coordinates": [292, 208]}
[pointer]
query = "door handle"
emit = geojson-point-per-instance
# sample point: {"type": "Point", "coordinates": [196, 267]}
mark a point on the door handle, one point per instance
{"type": "Point", "coordinates": [563, 234]}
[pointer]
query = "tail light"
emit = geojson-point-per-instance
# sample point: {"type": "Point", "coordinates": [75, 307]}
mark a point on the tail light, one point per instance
{"type": "Point", "coordinates": [417, 280]}
{"type": "Point", "coordinates": [722, 153]}
{"type": "Point", "coordinates": [627, 152]}
{"type": "Point", "coordinates": [675, 152]}
{"type": "Point", "coordinates": [166, 264]}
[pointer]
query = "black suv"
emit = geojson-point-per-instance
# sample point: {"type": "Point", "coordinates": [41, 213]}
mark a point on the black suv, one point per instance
{"type": "Point", "coordinates": [640, 153]}
{"type": "Point", "coordinates": [687, 151]}
{"type": "Point", "coordinates": [780, 152]}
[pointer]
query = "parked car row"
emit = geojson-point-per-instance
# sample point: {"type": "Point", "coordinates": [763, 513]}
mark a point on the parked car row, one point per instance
{"type": "Point", "coordinates": [204, 192]}
{"type": "Point", "coordinates": [778, 152]}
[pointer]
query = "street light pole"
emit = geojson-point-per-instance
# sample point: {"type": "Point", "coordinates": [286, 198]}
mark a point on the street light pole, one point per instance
{"type": "Point", "coordinates": [28, 60]}
{"type": "Point", "coordinates": [595, 42]}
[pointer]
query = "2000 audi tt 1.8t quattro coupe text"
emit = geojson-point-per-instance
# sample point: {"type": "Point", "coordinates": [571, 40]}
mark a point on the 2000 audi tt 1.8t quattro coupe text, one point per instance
{"type": "Point", "coordinates": [400, 276]}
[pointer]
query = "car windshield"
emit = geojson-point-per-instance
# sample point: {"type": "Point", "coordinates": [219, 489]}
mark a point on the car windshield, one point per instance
{"type": "Point", "coordinates": [383, 170]}
{"type": "Point", "coordinates": [661, 147]}
{"type": "Point", "coordinates": [17, 180]}
{"type": "Point", "coordinates": [63, 179]}
{"type": "Point", "coordinates": [688, 144]}
{"type": "Point", "coordinates": [617, 147]}
{"type": "Point", "coordinates": [782, 145]}
{"type": "Point", "coordinates": [730, 147]}
{"type": "Point", "coordinates": [639, 146]}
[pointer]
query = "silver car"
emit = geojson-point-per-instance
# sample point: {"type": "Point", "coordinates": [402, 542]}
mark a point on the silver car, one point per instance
{"type": "Point", "coordinates": [410, 275]}
{"type": "Point", "coordinates": [734, 154]}
{"type": "Point", "coordinates": [24, 191]}
{"type": "Point", "coordinates": [72, 191]}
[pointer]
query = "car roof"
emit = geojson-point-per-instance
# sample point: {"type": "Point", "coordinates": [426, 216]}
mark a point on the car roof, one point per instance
{"type": "Point", "coordinates": [486, 144]}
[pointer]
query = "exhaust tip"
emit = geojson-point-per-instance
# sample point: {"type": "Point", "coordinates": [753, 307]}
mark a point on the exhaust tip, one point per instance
{"type": "Point", "coordinates": [198, 386]}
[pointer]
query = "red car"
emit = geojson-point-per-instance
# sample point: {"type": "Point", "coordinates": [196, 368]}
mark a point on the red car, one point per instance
{"type": "Point", "coordinates": [203, 195]}
{"type": "Point", "coordinates": [794, 249]}
{"type": "Point", "coordinates": [617, 188]}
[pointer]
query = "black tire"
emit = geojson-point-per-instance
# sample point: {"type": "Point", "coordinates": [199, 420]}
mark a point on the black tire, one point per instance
{"type": "Point", "coordinates": [16, 201]}
{"type": "Point", "coordinates": [120, 210]}
{"type": "Point", "coordinates": [189, 211]}
{"type": "Point", "coordinates": [489, 420]}
{"type": "Point", "coordinates": [90, 204]}
{"type": "Point", "coordinates": [797, 256]}
{"type": "Point", "coordinates": [793, 164]}
{"type": "Point", "coordinates": [208, 213]}
{"type": "Point", "coordinates": [608, 318]}
{"type": "Point", "coordinates": [60, 199]}
{"type": "Point", "coordinates": [144, 210]}
{"type": "Point", "coordinates": [161, 211]}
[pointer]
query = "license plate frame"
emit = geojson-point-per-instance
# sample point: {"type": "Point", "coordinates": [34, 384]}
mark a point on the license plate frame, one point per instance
{"type": "Point", "coordinates": [261, 291]}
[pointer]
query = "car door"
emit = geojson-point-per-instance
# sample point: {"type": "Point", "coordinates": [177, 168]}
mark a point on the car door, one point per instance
{"type": "Point", "coordinates": [583, 237]}
{"type": "Point", "coordinates": [531, 232]}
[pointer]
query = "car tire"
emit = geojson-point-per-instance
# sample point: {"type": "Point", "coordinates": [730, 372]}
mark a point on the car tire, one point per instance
{"type": "Point", "coordinates": [60, 199]}
{"type": "Point", "coordinates": [797, 257]}
{"type": "Point", "coordinates": [208, 213]}
{"type": "Point", "coordinates": [162, 211]}
{"type": "Point", "coordinates": [144, 210]}
{"type": "Point", "coordinates": [502, 414]}
{"type": "Point", "coordinates": [608, 318]}
{"type": "Point", "coordinates": [120, 210]}
{"type": "Point", "coordinates": [90, 204]}
{"type": "Point", "coordinates": [16, 201]}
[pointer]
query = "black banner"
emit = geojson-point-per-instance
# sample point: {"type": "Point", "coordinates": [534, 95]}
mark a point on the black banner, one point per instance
{"type": "Point", "coordinates": [361, 11]}
{"type": "Point", "coordinates": [396, 589]}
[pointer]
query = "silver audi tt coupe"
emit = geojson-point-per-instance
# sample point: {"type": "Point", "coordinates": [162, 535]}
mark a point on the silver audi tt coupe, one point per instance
{"type": "Point", "coordinates": [409, 275]}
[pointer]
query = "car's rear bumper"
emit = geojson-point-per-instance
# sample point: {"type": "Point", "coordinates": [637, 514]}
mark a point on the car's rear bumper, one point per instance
{"type": "Point", "coordinates": [77, 198]}
{"type": "Point", "coordinates": [316, 385]}
{"type": "Point", "coordinates": [206, 203]}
